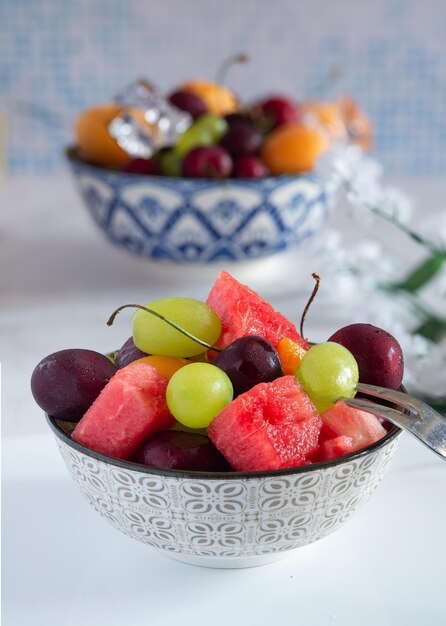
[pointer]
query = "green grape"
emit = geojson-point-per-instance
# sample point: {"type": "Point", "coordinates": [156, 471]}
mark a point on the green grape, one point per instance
{"type": "Point", "coordinates": [155, 336]}
{"type": "Point", "coordinates": [215, 126]}
{"type": "Point", "coordinates": [327, 373]}
{"type": "Point", "coordinates": [191, 138]}
{"type": "Point", "coordinates": [196, 393]}
{"type": "Point", "coordinates": [170, 163]}
{"type": "Point", "coordinates": [206, 131]}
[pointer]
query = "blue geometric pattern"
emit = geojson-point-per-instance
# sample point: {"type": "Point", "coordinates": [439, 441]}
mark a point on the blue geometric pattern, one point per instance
{"type": "Point", "coordinates": [64, 56]}
{"type": "Point", "coordinates": [202, 221]}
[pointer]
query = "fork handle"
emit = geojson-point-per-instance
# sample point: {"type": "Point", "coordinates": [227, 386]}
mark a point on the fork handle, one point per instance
{"type": "Point", "coordinates": [418, 418]}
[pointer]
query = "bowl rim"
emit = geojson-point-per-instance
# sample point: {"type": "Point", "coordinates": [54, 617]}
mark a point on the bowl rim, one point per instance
{"type": "Point", "coordinates": [72, 154]}
{"type": "Point", "coordinates": [60, 433]}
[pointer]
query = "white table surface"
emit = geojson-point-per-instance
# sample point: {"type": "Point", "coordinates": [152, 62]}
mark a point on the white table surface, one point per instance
{"type": "Point", "coordinates": [63, 565]}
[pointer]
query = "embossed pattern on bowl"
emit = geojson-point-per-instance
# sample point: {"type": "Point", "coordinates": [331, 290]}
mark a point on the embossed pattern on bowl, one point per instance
{"type": "Point", "coordinates": [227, 520]}
{"type": "Point", "coordinates": [202, 221]}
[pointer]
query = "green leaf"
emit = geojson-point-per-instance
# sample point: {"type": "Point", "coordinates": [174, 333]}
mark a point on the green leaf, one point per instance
{"type": "Point", "coordinates": [433, 328]}
{"type": "Point", "coordinates": [422, 274]}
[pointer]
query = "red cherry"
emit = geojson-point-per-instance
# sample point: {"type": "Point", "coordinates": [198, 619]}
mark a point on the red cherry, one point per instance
{"type": "Point", "coordinates": [280, 110]}
{"type": "Point", "coordinates": [249, 166]}
{"type": "Point", "coordinates": [207, 162]}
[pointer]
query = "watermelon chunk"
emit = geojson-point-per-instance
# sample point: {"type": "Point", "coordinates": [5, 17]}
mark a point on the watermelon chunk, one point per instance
{"type": "Point", "coordinates": [271, 426]}
{"type": "Point", "coordinates": [243, 312]}
{"type": "Point", "coordinates": [130, 408]}
{"type": "Point", "coordinates": [342, 420]}
{"type": "Point", "coordinates": [333, 449]}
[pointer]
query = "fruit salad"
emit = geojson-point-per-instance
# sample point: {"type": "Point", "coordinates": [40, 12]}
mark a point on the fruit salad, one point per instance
{"type": "Point", "coordinates": [202, 130]}
{"type": "Point", "coordinates": [228, 384]}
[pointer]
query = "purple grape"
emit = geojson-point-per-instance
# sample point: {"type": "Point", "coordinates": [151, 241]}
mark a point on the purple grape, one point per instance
{"type": "Point", "coordinates": [241, 139]}
{"type": "Point", "coordinates": [128, 353]}
{"type": "Point", "coordinates": [238, 118]}
{"type": "Point", "coordinates": [189, 102]}
{"type": "Point", "coordinates": [378, 354]}
{"type": "Point", "coordinates": [179, 450]}
{"type": "Point", "coordinates": [66, 383]}
{"type": "Point", "coordinates": [249, 361]}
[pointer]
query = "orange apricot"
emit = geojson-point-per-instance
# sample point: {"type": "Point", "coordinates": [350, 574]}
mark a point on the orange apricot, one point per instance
{"type": "Point", "coordinates": [290, 354]}
{"type": "Point", "coordinates": [219, 99]}
{"type": "Point", "coordinates": [165, 365]}
{"type": "Point", "coordinates": [93, 139]}
{"type": "Point", "coordinates": [293, 149]}
{"type": "Point", "coordinates": [327, 116]}
{"type": "Point", "coordinates": [359, 128]}
{"type": "Point", "coordinates": [341, 120]}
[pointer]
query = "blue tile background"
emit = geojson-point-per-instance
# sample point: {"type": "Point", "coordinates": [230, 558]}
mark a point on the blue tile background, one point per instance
{"type": "Point", "coordinates": [65, 55]}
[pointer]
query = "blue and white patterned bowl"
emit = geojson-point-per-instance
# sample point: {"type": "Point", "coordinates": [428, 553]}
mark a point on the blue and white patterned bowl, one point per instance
{"type": "Point", "coordinates": [202, 221]}
{"type": "Point", "coordinates": [227, 519]}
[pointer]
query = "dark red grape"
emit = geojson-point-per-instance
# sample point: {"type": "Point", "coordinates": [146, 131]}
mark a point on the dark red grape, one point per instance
{"type": "Point", "coordinates": [207, 162]}
{"type": "Point", "coordinates": [241, 139]}
{"type": "Point", "coordinates": [378, 354]}
{"type": "Point", "coordinates": [146, 167]}
{"type": "Point", "coordinates": [279, 111]}
{"type": "Point", "coordinates": [66, 383]}
{"type": "Point", "coordinates": [128, 353]}
{"type": "Point", "coordinates": [249, 166]}
{"type": "Point", "coordinates": [249, 361]}
{"type": "Point", "coordinates": [238, 118]}
{"type": "Point", "coordinates": [189, 102]}
{"type": "Point", "coordinates": [179, 450]}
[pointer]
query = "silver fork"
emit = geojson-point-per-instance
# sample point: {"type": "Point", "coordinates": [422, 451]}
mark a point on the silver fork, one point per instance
{"type": "Point", "coordinates": [417, 417]}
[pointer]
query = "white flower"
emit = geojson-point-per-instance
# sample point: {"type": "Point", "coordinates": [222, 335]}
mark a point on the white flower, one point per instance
{"type": "Point", "coordinates": [361, 176]}
{"type": "Point", "coordinates": [428, 371]}
{"type": "Point", "coordinates": [396, 204]}
{"type": "Point", "coordinates": [356, 273]}
{"type": "Point", "coordinates": [433, 228]}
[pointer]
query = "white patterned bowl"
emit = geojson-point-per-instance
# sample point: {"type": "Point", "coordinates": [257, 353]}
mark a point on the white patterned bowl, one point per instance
{"type": "Point", "coordinates": [226, 519]}
{"type": "Point", "coordinates": [202, 221]}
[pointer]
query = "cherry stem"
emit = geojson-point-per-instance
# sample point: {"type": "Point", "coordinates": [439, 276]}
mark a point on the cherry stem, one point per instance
{"type": "Point", "coordinates": [224, 68]}
{"type": "Point", "coordinates": [112, 317]}
{"type": "Point", "coordinates": [310, 300]}
{"type": "Point", "coordinates": [212, 172]}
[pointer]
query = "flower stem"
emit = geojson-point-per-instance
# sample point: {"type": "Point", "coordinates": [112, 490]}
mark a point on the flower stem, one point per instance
{"type": "Point", "coordinates": [395, 222]}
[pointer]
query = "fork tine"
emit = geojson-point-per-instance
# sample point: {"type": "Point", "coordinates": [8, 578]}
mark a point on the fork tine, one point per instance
{"type": "Point", "coordinates": [388, 413]}
{"type": "Point", "coordinates": [417, 418]}
{"type": "Point", "coordinates": [391, 395]}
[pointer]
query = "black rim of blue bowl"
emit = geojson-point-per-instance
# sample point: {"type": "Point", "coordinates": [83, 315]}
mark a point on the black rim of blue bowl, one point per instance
{"type": "Point", "coordinates": [144, 469]}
